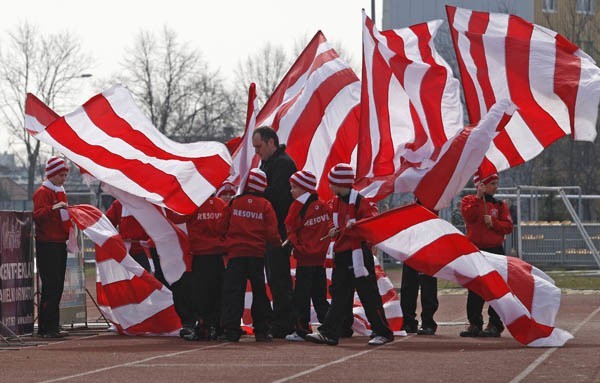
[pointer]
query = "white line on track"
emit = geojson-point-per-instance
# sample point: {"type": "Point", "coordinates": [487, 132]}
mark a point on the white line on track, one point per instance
{"type": "Point", "coordinates": [129, 364]}
{"type": "Point", "coordinates": [244, 365]}
{"type": "Point", "coordinates": [549, 352]}
{"type": "Point", "coordinates": [341, 360]}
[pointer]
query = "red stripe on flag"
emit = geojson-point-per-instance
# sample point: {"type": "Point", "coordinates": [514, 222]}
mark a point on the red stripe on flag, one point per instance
{"type": "Point", "coordinates": [489, 286]}
{"type": "Point", "coordinates": [520, 280]}
{"type": "Point", "coordinates": [526, 330]}
{"type": "Point", "coordinates": [478, 25]}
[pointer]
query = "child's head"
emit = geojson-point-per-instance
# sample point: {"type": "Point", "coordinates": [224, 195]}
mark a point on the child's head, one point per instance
{"type": "Point", "coordinates": [302, 182]}
{"type": "Point", "coordinates": [341, 179]}
{"type": "Point", "coordinates": [226, 191]}
{"type": "Point", "coordinates": [256, 181]}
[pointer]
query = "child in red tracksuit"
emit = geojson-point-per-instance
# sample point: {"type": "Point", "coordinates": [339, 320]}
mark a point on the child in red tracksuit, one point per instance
{"type": "Point", "coordinates": [249, 225]}
{"type": "Point", "coordinates": [307, 223]}
{"type": "Point", "coordinates": [488, 221]}
{"type": "Point", "coordinates": [354, 267]}
{"type": "Point", "coordinates": [204, 283]}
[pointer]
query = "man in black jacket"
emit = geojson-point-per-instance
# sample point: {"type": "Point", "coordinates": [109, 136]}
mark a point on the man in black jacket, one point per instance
{"type": "Point", "coordinates": [278, 166]}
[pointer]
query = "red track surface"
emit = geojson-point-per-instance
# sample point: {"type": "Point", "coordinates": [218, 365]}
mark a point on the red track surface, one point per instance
{"type": "Point", "coordinates": [442, 358]}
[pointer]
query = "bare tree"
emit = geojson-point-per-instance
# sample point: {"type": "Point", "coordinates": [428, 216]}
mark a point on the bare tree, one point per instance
{"type": "Point", "coordinates": [44, 64]}
{"type": "Point", "coordinates": [265, 68]}
{"type": "Point", "coordinates": [184, 99]}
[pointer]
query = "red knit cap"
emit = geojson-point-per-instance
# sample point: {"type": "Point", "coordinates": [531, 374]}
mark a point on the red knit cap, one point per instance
{"type": "Point", "coordinates": [226, 188]}
{"type": "Point", "coordinates": [485, 180]}
{"type": "Point", "coordinates": [55, 165]}
{"type": "Point", "coordinates": [257, 181]}
{"type": "Point", "coordinates": [341, 175]}
{"type": "Point", "coordinates": [304, 180]}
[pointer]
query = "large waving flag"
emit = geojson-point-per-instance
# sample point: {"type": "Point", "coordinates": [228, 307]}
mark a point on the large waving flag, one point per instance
{"type": "Point", "coordinates": [170, 242]}
{"type": "Point", "coordinates": [128, 296]}
{"type": "Point", "coordinates": [117, 144]}
{"type": "Point", "coordinates": [436, 181]}
{"type": "Point", "coordinates": [243, 155]}
{"type": "Point", "coordinates": [555, 85]}
{"type": "Point", "coordinates": [315, 111]}
{"type": "Point", "coordinates": [524, 297]}
{"type": "Point", "coordinates": [410, 102]}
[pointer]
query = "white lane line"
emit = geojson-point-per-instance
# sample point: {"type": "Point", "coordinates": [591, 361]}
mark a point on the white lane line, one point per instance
{"type": "Point", "coordinates": [549, 352]}
{"type": "Point", "coordinates": [244, 365]}
{"type": "Point", "coordinates": [341, 360]}
{"type": "Point", "coordinates": [129, 364]}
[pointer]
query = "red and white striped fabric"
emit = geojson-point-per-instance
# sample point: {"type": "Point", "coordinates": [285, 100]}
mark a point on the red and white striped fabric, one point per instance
{"type": "Point", "coordinates": [243, 156]}
{"type": "Point", "coordinates": [389, 296]}
{"type": "Point", "coordinates": [524, 298]}
{"type": "Point", "coordinates": [171, 243]}
{"type": "Point", "coordinates": [315, 111]}
{"type": "Point", "coordinates": [410, 100]}
{"type": "Point", "coordinates": [131, 298]}
{"type": "Point", "coordinates": [555, 85]}
{"type": "Point", "coordinates": [116, 143]}
{"type": "Point", "coordinates": [436, 181]}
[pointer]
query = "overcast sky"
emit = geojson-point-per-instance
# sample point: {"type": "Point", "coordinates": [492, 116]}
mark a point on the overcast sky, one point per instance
{"type": "Point", "coordinates": [224, 31]}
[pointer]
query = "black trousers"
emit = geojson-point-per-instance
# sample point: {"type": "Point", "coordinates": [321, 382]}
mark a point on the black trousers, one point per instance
{"type": "Point", "coordinates": [237, 272]}
{"type": "Point", "coordinates": [206, 289]}
{"type": "Point", "coordinates": [183, 299]}
{"type": "Point", "coordinates": [311, 284]}
{"type": "Point", "coordinates": [409, 290]}
{"type": "Point", "coordinates": [51, 260]}
{"type": "Point", "coordinates": [158, 273]}
{"type": "Point", "coordinates": [344, 284]}
{"type": "Point", "coordinates": [475, 303]}
{"type": "Point", "coordinates": [277, 261]}
{"type": "Point", "coordinates": [142, 259]}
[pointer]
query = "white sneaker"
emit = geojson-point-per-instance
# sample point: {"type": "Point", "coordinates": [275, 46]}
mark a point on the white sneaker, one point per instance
{"type": "Point", "coordinates": [379, 340]}
{"type": "Point", "coordinates": [294, 337]}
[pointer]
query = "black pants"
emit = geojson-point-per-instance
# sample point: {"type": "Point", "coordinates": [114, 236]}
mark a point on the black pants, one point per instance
{"type": "Point", "coordinates": [409, 290]}
{"type": "Point", "coordinates": [237, 272]}
{"type": "Point", "coordinates": [142, 259]}
{"type": "Point", "coordinates": [158, 273]}
{"type": "Point", "coordinates": [311, 284]}
{"type": "Point", "coordinates": [51, 259]}
{"type": "Point", "coordinates": [344, 284]}
{"type": "Point", "coordinates": [475, 303]}
{"type": "Point", "coordinates": [277, 262]}
{"type": "Point", "coordinates": [183, 299]}
{"type": "Point", "coordinates": [206, 290]}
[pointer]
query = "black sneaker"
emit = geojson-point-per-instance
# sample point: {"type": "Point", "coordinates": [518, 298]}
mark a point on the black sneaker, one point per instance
{"type": "Point", "coordinates": [490, 332]}
{"type": "Point", "coordinates": [225, 338]}
{"type": "Point", "coordinates": [426, 331]}
{"type": "Point", "coordinates": [262, 337]}
{"type": "Point", "coordinates": [471, 332]}
{"type": "Point", "coordinates": [318, 337]}
{"type": "Point", "coordinates": [186, 331]}
{"type": "Point", "coordinates": [409, 328]}
{"type": "Point", "coordinates": [54, 335]}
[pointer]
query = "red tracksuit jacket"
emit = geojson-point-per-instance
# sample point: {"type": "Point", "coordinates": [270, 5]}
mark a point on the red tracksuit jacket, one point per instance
{"type": "Point", "coordinates": [340, 205]}
{"type": "Point", "coordinates": [202, 227]}
{"type": "Point", "coordinates": [305, 233]}
{"type": "Point", "coordinates": [477, 232]}
{"type": "Point", "coordinates": [49, 227]}
{"type": "Point", "coordinates": [248, 224]}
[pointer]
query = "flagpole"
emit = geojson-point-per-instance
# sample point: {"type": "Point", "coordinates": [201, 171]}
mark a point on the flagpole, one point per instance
{"type": "Point", "coordinates": [373, 11]}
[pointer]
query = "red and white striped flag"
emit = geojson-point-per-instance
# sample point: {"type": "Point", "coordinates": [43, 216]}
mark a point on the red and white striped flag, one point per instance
{"type": "Point", "coordinates": [128, 296]}
{"type": "Point", "coordinates": [315, 111]}
{"type": "Point", "coordinates": [171, 244]}
{"type": "Point", "coordinates": [435, 182]}
{"type": "Point", "coordinates": [525, 299]}
{"type": "Point", "coordinates": [410, 100]}
{"type": "Point", "coordinates": [116, 143]}
{"type": "Point", "coordinates": [243, 155]}
{"type": "Point", "coordinates": [555, 85]}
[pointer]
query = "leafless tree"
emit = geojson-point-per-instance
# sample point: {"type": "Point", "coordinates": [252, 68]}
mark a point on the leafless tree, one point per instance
{"type": "Point", "coordinates": [265, 68]}
{"type": "Point", "coordinates": [185, 100]}
{"type": "Point", "coordinates": [46, 65]}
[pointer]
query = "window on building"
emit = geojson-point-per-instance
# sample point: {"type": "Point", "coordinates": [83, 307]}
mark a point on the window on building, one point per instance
{"type": "Point", "coordinates": [585, 7]}
{"type": "Point", "coordinates": [549, 6]}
